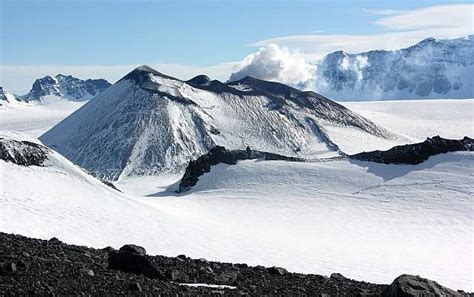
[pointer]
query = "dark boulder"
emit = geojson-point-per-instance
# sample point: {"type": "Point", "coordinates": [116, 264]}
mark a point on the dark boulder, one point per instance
{"type": "Point", "coordinates": [9, 267]}
{"type": "Point", "coordinates": [54, 240]}
{"type": "Point", "coordinates": [277, 270]}
{"type": "Point", "coordinates": [338, 276]}
{"type": "Point", "coordinates": [415, 286]}
{"type": "Point", "coordinates": [416, 153]}
{"type": "Point", "coordinates": [135, 287]}
{"type": "Point", "coordinates": [134, 249]}
{"type": "Point", "coordinates": [132, 258]}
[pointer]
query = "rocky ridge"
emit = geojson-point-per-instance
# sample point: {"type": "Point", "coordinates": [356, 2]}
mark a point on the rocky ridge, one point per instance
{"type": "Point", "coordinates": [220, 154]}
{"type": "Point", "coordinates": [416, 153]}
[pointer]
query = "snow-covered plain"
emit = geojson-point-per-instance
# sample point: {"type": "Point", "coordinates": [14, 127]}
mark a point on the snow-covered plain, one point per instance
{"type": "Point", "coordinates": [35, 118]}
{"type": "Point", "coordinates": [367, 221]}
{"type": "Point", "coordinates": [418, 119]}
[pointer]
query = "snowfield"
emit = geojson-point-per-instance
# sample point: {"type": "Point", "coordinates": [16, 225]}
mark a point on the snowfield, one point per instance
{"type": "Point", "coordinates": [367, 221]}
{"type": "Point", "coordinates": [418, 119]}
{"type": "Point", "coordinates": [35, 118]}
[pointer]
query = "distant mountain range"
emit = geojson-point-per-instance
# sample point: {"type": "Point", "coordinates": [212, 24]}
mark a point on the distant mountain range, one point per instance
{"type": "Point", "coordinates": [150, 123]}
{"type": "Point", "coordinates": [60, 87]}
{"type": "Point", "coordinates": [430, 69]}
{"type": "Point", "coordinates": [65, 87]}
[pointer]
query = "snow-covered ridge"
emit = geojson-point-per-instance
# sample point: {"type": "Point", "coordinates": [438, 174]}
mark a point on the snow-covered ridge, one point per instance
{"type": "Point", "coordinates": [64, 87]}
{"type": "Point", "coordinates": [150, 123]}
{"type": "Point", "coordinates": [7, 99]}
{"type": "Point", "coordinates": [432, 68]}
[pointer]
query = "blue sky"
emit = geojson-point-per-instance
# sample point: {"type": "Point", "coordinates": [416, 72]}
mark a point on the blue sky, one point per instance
{"type": "Point", "coordinates": [184, 33]}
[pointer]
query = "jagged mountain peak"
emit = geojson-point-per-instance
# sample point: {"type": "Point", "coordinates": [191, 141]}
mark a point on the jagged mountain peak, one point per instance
{"type": "Point", "coordinates": [62, 75]}
{"type": "Point", "coordinates": [45, 79]}
{"type": "Point", "coordinates": [64, 87]}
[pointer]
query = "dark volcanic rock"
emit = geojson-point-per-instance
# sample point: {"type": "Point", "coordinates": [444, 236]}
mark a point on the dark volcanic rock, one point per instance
{"type": "Point", "coordinates": [200, 80]}
{"type": "Point", "coordinates": [416, 286]}
{"type": "Point", "coordinates": [107, 183]}
{"type": "Point", "coordinates": [417, 152]}
{"type": "Point", "coordinates": [66, 270]}
{"type": "Point", "coordinates": [134, 249]}
{"type": "Point", "coordinates": [2, 95]}
{"type": "Point", "coordinates": [23, 153]}
{"type": "Point", "coordinates": [220, 154]}
{"type": "Point", "coordinates": [132, 258]}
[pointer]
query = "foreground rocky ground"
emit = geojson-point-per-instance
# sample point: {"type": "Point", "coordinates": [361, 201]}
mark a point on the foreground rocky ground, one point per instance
{"type": "Point", "coordinates": [39, 267]}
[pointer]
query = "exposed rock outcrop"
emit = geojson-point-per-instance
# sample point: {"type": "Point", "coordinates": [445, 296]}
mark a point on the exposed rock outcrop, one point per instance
{"type": "Point", "coordinates": [415, 286]}
{"type": "Point", "coordinates": [23, 153]}
{"type": "Point", "coordinates": [220, 154]}
{"type": "Point", "coordinates": [417, 152]}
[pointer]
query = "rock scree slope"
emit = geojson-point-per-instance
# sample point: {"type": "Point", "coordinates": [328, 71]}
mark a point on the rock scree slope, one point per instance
{"type": "Point", "coordinates": [51, 267]}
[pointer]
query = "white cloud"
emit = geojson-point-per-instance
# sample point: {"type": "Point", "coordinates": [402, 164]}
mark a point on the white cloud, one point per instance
{"type": "Point", "coordinates": [401, 29]}
{"type": "Point", "coordinates": [19, 78]}
{"type": "Point", "coordinates": [435, 17]}
{"type": "Point", "coordinates": [275, 63]}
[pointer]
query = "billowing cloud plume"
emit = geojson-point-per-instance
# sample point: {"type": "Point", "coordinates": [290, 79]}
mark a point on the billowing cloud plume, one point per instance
{"type": "Point", "coordinates": [356, 65]}
{"type": "Point", "coordinates": [277, 64]}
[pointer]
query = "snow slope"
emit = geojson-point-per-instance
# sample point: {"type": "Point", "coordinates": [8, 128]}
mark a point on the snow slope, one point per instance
{"type": "Point", "coordinates": [149, 123]}
{"type": "Point", "coordinates": [366, 221]}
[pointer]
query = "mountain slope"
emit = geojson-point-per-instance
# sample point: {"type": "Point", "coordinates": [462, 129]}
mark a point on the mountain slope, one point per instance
{"type": "Point", "coordinates": [430, 69]}
{"type": "Point", "coordinates": [7, 99]}
{"type": "Point", "coordinates": [65, 87]}
{"type": "Point", "coordinates": [150, 123]}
